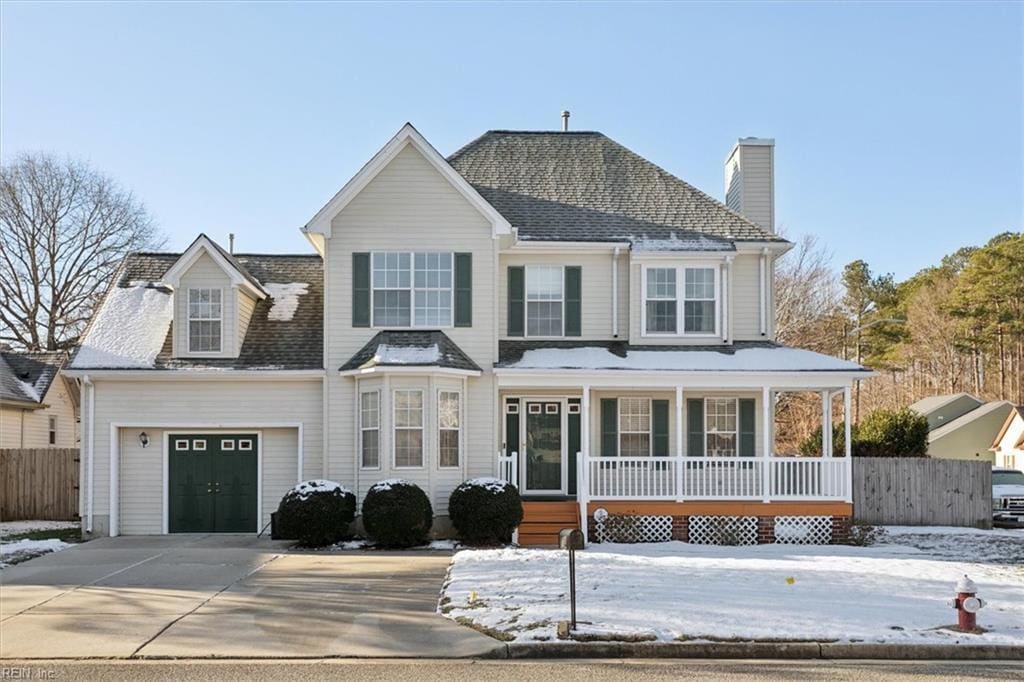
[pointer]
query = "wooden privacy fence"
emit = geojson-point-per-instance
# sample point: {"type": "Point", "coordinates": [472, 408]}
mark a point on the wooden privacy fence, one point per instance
{"type": "Point", "coordinates": [39, 483]}
{"type": "Point", "coordinates": [922, 492]}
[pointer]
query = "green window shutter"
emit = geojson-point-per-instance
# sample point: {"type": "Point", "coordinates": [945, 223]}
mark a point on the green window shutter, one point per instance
{"type": "Point", "coordinates": [574, 446]}
{"type": "Point", "coordinates": [695, 427]}
{"type": "Point", "coordinates": [573, 300]}
{"type": "Point", "coordinates": [516, 300]}
{"type": "Point", "coordinates": [609, 427]}
{"type": "Point", "coordinates": [360, 290]}
{"type": "Point", "coordinates": [463, 290]}
{"type": "Point", "coordinates": [659, 424]}
{"type": "Point", "coordinates": [747, 446]}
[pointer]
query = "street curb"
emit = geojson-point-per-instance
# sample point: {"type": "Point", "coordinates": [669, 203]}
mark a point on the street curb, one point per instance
{"type": "Point", "coordinates": [768, 650]}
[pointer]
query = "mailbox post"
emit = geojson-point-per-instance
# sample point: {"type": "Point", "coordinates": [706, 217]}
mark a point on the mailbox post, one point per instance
{"type": "Point", "coordinates": [571, 539]}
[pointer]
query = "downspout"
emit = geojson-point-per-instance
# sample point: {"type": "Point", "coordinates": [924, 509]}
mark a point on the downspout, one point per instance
{"type": "Point", "coordinates": [763, 271]}
{"type": "Point", "coordinates": [615, 293]}
{"type": "Point", "coordinates": [90, 458]}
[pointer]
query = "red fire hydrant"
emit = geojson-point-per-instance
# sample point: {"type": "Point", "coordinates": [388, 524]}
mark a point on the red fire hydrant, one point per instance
{"type": "Point", "coordinates": [967, 605]}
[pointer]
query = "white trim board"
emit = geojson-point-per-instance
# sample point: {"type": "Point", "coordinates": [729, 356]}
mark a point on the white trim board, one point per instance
{"type": "Point", "coordinates": [202, 245]}
{"type": "Point", "coordinates": [408, 135]}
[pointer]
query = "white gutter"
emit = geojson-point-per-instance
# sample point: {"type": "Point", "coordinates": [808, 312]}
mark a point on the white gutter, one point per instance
{"type": "Point", "coordinates": [410, 369]}
{"type": "Point", "coordinates": [615, 293]}
{"type": "Point", "coordinates": [199, 374]}
{"type": "Point", "coordinates": [90, 459]}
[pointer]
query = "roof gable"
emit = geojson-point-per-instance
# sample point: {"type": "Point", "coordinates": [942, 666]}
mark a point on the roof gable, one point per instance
{"type": "Point", "coordinates": [408, 135]}
{"type": "Point", "coordinates": [235, 271]}
{"type": "Point", "coordinates": [26, 377]}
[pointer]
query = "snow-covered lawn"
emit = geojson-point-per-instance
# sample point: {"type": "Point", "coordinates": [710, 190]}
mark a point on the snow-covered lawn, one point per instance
{"type": "Point", "coordinates": [16, 548]}
{"type": "Point", "coordinates": [892, 592]}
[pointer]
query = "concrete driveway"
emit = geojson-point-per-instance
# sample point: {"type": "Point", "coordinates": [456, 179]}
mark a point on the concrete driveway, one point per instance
{"type": "Point", "coordinates": [227, 596]}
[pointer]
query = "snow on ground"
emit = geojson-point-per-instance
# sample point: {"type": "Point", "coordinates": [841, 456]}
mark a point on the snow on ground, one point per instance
{"type": "Point", "coordinates": [8, 528]}
{"type": "Point", "coordinates": [406, 355]}
{"type": "Point", "coordinates": [744, 359]}
{"type": "Point", "coordinates": [129, 329]}
{"type": "Point", "coordinates": [996, 546]}
{"type": "Point", "coordinates": [443, 545]}
{"type": "Point", "coordinates": [885, 593]}
{"type": "Point", "coordinates": [21, 550]}
{"type": "Point", "coordinates": [285, 299]}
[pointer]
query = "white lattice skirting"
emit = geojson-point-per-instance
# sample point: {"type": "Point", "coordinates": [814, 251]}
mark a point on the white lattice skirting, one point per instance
{"type": "Point", "coordinates": [634, 529]}
{"type": "Point", "coordinates": [723, 530]}
{"type": "Point", "coordinates": [803, 530]}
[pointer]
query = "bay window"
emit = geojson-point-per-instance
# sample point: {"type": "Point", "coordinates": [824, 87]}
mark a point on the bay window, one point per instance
{"type": "Point", "coordinates": [408, 413]}
{"type": "Point", "coordinates": [412, 289]}
{"type": "Point", "coordinates": [681, 301]}
{"type": "Point", "coordinates": [369, 429]}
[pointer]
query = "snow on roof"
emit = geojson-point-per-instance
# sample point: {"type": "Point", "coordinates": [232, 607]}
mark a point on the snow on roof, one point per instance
{"type": "Point", "coordinates": [674, 242]}
{"type": "Point", "coordinates": [742, 360]}
{"type": "Point", "coordinates": [407, 355]}
{"type": "Point", "coordinates": [286, 299]}
{"type": "Point", "coordinates": [129, 329]}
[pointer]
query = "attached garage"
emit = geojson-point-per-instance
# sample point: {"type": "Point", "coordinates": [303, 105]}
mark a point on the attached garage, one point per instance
{"type": "Point", "coordinates": [203, 480]}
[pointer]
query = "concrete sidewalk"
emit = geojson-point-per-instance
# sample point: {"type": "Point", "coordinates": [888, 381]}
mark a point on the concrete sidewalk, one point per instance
{"type": "Point", "coordinates": [228, 596]}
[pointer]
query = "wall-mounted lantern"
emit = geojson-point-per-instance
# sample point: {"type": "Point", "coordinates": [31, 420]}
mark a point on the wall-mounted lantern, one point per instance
{"type": "Point", "coordinates": [144, 439]}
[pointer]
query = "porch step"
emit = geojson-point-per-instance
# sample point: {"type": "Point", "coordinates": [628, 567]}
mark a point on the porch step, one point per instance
{"type": "Point", "coordinates": [542, 522]}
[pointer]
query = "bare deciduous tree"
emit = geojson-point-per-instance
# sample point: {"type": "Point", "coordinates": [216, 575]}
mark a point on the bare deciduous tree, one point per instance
{"type": "Point", "coordinates": [63, 229]}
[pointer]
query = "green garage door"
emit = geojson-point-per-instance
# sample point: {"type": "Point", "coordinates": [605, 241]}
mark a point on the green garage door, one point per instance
{"type": "Point", "coordinates": [212, 484]}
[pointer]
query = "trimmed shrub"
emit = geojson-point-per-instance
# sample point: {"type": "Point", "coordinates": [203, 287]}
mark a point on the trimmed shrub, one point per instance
{"type": "Point", "coordinates": [892, 433]}
{"type": "Point", "coordinates": [485, 511]}
{"type": "Point", "coordinates": [316, 513]}
{"type": "Point", "coordinates": [811, 446]}
{"type": "Point", "coordinates": [397, 513]}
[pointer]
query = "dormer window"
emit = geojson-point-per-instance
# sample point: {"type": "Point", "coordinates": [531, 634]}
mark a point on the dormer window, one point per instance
{"type": "Point", "coordinates": [412, 289]}
{"type": "Point", "coordinates": [205, 320]}
{"type": "Point", "coordinates": [681, 301]}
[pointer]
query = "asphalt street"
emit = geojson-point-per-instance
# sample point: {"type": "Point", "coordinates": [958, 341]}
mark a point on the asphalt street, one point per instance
{"type": "Point", "coordinates": [484, 671]}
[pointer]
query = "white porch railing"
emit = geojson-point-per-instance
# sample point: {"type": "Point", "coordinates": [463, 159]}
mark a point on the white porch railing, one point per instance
{"type": "Point", "coordinates": [508, 467]}
{"type": "Point", "coordinates": [716, 478]}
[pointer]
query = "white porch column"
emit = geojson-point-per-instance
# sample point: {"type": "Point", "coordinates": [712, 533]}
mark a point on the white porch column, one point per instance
{"type": "Point", "coordinates": [766, 447]}
{"type": "Point", "coordinates": [847, 446]}
{"type": "Point", "coordinates": [583, 465]}
{"type": "Point", "coordinates": [826, 424]}
{"type": "Point", "coordinates": [680, 435]}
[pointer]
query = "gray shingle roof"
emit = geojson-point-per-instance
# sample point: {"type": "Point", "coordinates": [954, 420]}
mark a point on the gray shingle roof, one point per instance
{"type": "Point", "coordinates": [26, 377]}
{"type": "Point", "coordinates": [583, 186]}
{"type": "Point", "coordinates": [292, 344]}
{"type": "Point", "coordinates": [449, 355]}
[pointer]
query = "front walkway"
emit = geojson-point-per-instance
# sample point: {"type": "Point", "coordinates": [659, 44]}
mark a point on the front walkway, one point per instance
{"type": "Point", "coordinates": [235, 596]}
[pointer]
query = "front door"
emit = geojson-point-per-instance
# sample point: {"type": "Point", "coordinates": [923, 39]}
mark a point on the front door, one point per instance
{"type": "Point", "coordinates": [544, 447]}
{"type": "Point", "coordinates": [212, 481]}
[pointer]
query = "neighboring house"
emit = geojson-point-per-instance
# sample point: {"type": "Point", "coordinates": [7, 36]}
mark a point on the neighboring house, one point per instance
{"type": "Point", "coordinates": [1008, 445]}
{"type": "Point", "coordinates": [546, 307]}
{"type": "Point", "coordinates": [961, 426]}
{"type": "Point", "coordinates": [38, 403]}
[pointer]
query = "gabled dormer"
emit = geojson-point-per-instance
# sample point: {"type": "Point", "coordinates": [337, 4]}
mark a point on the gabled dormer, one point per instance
{"type": "Point", "coordinates": [214, 297]}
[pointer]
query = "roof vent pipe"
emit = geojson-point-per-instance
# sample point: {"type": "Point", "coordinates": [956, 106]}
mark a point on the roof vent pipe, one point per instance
{"type": "Point", "coordinates": [231, 243]}
{"type": "Point", "coordinates": [565, 121]}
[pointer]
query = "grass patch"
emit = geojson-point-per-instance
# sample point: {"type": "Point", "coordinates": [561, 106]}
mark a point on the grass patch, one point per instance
{"type": "Point", "coordinates": [64, 534]}
{"type": "Point", "coordinates": [499, 635]}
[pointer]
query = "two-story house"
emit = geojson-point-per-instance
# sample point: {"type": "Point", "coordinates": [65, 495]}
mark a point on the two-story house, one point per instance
{"type": "Point", "coordinates": [547, 307]}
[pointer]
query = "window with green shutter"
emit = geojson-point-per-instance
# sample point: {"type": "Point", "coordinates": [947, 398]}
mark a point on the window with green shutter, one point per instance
{"type": "Point", "coordinates": [747, 428]}
{"type": "Point", "coordinates": [516, 300]}
{"type": "Point", "coordinates": [695, 427]}
{"type": "Point", "coordinates": [659, 425]}
{"type": "Point", "coordinates": [609, 427]}
{"type": "Point", "coordinates": [573, 300]}
{"type": "Point", "coordinates": [360, 289]}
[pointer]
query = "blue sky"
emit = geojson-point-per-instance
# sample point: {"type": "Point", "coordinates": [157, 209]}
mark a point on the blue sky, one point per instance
{"type": "Point", "coordinates": [898, 126]}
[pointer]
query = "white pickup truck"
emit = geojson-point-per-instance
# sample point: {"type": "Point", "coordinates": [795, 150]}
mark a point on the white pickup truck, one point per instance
{"type": "Point", "coordinates": [1008, 498]}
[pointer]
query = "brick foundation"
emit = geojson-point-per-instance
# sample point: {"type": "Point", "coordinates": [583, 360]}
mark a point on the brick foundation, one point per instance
{"type": "Point", "coordinates": [841, 530]}
{"type": "Point", "coordinates": [765, 530]}
{"type": "Point", "coordinates": [681, 528]}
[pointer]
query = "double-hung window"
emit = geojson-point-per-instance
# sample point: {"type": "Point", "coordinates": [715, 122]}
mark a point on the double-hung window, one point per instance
{"type": "Point", "coordinates": [408, 411]}
{"type": "Point", "coordinates": [449, 421]}
{"type": "Point", "coordinates": [545, 300]}
{"type": "Point", "coordinates": [53, 429]}
{"type": "Point", "coordinates": [205, 319]}
{"type": "Point", "coordinates": [412, 289]}
{"type": "Point", "coordinates": [369, 429]}
{"type": "Point", "coordinates": [634, 427]}
{"type": "Point", "coordinates": [720, 426]}
{"type": "Point", "coordinates": [681, 301]}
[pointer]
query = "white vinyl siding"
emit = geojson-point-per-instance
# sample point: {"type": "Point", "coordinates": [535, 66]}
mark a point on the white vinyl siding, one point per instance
{"type": "Point", "coordinates": [31, 428]}
{"type": "Point", "coordinates": [410, 207]}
